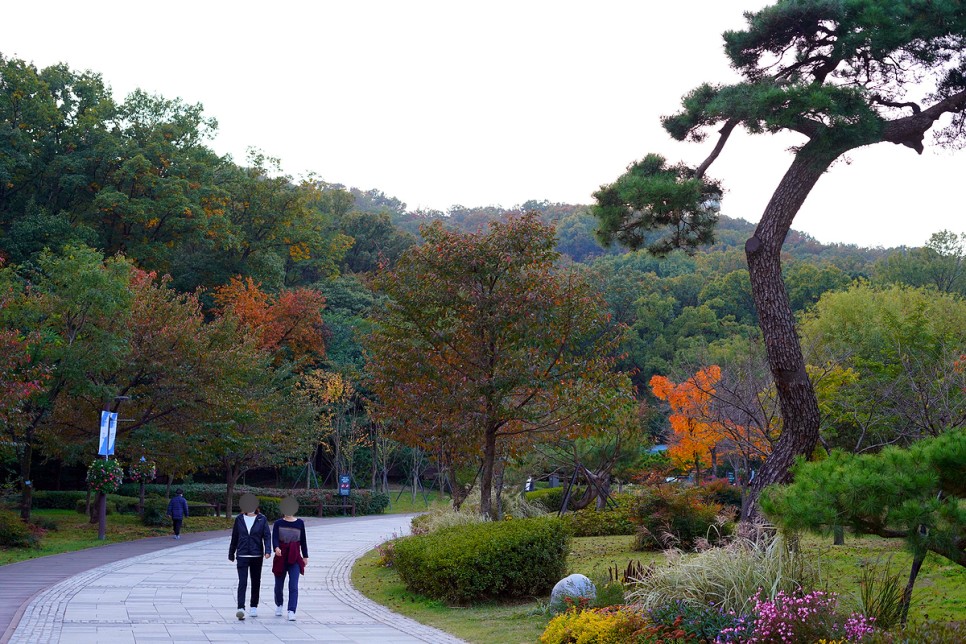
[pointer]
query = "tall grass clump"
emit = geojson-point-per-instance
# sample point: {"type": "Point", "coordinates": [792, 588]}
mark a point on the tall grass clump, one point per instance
{"type": "Point", "coordinates": [728, 577]}
{"type": "Point", "coordinates": [441, 518]}
{"type": "Point", "coordinates": [880, 595]}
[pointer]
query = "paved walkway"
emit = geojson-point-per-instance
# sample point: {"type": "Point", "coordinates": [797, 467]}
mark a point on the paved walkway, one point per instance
{"type": "Point", "coordinates": [185, 593]}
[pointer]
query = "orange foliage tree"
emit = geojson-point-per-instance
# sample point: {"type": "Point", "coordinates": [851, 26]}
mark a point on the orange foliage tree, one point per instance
{"type": "Point", "coordinates": [695, 437]}
{"type": "Point", "coordinates": [289, 323]}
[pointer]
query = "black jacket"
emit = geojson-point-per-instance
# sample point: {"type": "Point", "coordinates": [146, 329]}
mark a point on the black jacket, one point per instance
{"type": "Point", "coordinates": [256, 543]}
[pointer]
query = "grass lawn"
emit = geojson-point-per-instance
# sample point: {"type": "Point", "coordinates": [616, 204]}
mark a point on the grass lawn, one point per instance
{"type": "Point", "coordinates": [940, 592]}
{"type": "Point", "coordinates": [405, 504]}
{"type": "Point", "coordinates": [75, 532]}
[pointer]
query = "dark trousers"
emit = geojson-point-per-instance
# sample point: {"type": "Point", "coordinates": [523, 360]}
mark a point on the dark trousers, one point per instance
{"type": "Point", "coordinates": [177, 525]}
{"type": "Point", "coordinates": [293, 587]}
{"type": "Point", "coordinates": [249, 566]}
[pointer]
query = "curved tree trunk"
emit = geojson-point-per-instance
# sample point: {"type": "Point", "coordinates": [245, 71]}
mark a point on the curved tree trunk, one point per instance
{"type": "Point", "coordinates": [796, 396]}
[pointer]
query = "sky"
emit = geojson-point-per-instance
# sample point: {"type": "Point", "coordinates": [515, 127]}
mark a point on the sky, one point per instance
{"type": "Point", "coordinates": [442, 103]}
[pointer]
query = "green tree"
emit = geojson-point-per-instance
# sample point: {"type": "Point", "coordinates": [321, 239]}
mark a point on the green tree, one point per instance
{"type": "Point", "coordinates": [483, 346]}
{"type": "Point", "coordinates": [376, 241]}
{"type": "Point", "coordinates": [70, 310]}
{"type": "Point", "coordinates": [843, 75]}
{"type": "Point", "coordinates": [916, 494]}
{"type": "Point", "coordinates": [901, 344]}
{"type": "Point", "coordinates": [941, 264]}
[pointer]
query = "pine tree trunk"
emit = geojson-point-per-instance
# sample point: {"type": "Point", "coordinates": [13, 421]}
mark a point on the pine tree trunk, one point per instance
{"type": "Point", "coordinates": [796, 396]}
{"type": "Point", "coordinates": [907, 591]}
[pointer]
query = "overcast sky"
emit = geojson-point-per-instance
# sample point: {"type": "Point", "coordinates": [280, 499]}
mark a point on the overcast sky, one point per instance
{"type": "Point", "coordinates": [474, 103]}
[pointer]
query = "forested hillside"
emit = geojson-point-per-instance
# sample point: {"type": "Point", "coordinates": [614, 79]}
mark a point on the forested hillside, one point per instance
{"type": "Point", "coordinates": [218, 301]}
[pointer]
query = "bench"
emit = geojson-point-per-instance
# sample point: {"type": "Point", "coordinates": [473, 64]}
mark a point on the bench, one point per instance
{"type": "Point", "coordinates": [337, 505]}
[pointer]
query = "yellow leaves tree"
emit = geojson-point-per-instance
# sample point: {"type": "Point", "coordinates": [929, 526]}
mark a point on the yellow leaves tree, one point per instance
{"type": "Point", "coordinates": [339, 432]}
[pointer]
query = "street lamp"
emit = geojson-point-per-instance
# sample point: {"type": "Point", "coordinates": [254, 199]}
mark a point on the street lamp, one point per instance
{"type": "Point", "coordinates": [107, 450]}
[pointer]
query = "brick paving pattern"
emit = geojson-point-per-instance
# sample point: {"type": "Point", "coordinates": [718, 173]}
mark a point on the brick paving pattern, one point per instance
{"type": "Point", "coordinates": [186, 594]}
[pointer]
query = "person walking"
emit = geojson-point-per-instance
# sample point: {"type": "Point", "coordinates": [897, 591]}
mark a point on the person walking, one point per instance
{"type": "Point", "coordinates": [177, 510]}
{"type": "Point", "coordinates": [291, 555]}
{"type": "Point", "coordinates": [251, 539]}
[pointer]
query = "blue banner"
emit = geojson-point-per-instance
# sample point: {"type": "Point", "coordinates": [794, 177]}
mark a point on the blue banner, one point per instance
{"type": "Point", "coordinates": [108, 433]}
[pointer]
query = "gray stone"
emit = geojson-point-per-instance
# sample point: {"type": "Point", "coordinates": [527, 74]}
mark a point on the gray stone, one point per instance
{"type": "Point", "coordinates": [574, 586]}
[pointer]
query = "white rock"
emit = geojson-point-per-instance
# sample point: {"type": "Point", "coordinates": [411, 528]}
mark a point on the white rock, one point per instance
{"type": "Point", "coordinates": [573, 586]}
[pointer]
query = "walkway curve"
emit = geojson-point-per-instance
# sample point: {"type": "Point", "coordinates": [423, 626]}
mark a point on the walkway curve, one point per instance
{"type": "Point", "coordinates": [185, 594]}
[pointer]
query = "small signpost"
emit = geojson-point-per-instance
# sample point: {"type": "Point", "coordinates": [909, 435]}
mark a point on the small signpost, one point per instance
{"type": "Point", "coordinates": [344, 485]}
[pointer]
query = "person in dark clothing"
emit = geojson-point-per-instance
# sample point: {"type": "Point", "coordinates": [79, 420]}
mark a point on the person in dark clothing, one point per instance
{"type": "Point", "coordinates": [291, 555]}
{"type": "Point", "coordinates": [177, 510]}
{"type": "Point", "coordinates": [251, 540]}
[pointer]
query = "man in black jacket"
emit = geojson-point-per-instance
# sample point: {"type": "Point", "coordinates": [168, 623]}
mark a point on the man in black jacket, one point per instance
{"type": "Point", "coordinates": [251, 540]}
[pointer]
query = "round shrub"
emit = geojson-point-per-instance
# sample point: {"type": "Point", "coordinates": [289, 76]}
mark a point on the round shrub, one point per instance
{"type": "Point", "coordinates": [154, 511]}
{"type": "Point", "coordinates": [124, 504]}
{"type": "Point", "coordinates": [675, 516]}
{"type": "Point", "coordinates": [500, 559]}
{"type": "Point", "coordinates": [14, 533]}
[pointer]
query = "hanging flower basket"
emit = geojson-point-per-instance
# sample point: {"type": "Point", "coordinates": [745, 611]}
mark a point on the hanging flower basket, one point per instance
{"type": "Point", "coordinates": [104, 476]}
{"type": "Point", "coordinates": [142, 471]}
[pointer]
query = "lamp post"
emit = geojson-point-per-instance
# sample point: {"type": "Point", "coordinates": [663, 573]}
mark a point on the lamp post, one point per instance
{"type": "Point", "coordinates": [101, 496]}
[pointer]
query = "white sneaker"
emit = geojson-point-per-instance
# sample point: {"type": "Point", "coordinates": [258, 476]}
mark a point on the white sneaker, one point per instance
{"type": "Point", "coordinates": [240, 613]}
{"type": "Point", "coordinates": [253, 612]}
{"type": "Point", "coordinates": [278, 611]}
{"type": "Point", "coordinates": [291, 616]}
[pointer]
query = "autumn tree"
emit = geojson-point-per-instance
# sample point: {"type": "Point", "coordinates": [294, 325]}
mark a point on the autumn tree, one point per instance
{"type": "Point", "coordinates": [484, 345]}
{"type": "Point", "coordinates": [694, 438]}
{"type": "Point", "coordinates": [839, 75]}
{"type": "Point", "coordinates": [288, 324]}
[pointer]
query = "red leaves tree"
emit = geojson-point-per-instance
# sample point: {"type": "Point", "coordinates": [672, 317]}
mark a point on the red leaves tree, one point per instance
{"type": "Point", "coordinates": [484, 345]}
{"type": "Point", "coordinates": [289, 323]}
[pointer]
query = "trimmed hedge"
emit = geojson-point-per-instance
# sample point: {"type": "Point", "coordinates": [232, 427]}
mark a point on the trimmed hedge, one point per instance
{"type": "Point", "coordinates": [115, 503]}
{"type": "Point", "coordinates": [57, 499]}
{"type": "Point", "coordinates": [501, 559]}
{"type": "Point", "coordinates": [154, 509]}
{"type": "Point", "coordinates": [81, 506]}
{"type": "Point", "coordinates": [601, 523]}
{"type": "Point", "coordinates": [366, 502]}
{"type": "Point", "coordinates": [270, 507]}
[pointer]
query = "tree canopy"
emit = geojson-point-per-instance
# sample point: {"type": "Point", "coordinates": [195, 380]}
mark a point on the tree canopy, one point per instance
{"type": "Point", "coordinates": [484, 345]}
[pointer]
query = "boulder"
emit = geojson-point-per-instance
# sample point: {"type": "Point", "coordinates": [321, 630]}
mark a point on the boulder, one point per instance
{"type": "Point", "coordinates": [574, 586]}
